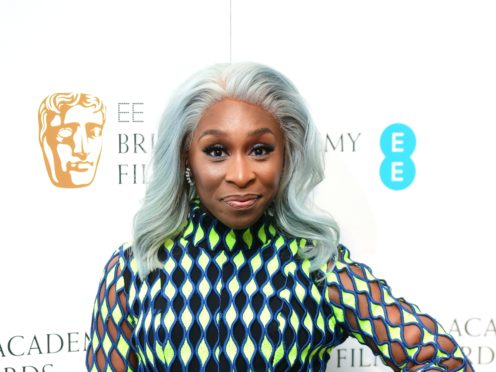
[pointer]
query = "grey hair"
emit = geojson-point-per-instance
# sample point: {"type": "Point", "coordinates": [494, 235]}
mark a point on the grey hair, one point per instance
{"type": "Point", "coordinates": [166, 204]}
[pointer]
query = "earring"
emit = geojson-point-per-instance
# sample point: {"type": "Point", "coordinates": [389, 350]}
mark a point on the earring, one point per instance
{"type": "Point", "coordinates": [188, 176]}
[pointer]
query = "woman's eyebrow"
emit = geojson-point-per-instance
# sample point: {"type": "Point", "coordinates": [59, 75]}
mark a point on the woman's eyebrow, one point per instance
{"type": "Point", "coordinates": [218, 132]}
{"type": "Point", "coordinates": [260, 131]}
{"type": "Point", "coordinates": [212, 132]}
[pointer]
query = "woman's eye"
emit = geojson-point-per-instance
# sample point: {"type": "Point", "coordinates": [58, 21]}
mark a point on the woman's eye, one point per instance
{"type": "Point", "coordinates": [215, 151]}
{"type": "Point", "coordinates": [262, 150]}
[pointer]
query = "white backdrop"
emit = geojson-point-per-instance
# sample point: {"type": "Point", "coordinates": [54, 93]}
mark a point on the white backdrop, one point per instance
{"type": "Point", "coordinates": [361, 65]}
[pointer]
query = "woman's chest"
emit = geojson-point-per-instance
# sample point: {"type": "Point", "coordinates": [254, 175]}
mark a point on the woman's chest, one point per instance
{"type": "Point", "coordinates": [231, 308]}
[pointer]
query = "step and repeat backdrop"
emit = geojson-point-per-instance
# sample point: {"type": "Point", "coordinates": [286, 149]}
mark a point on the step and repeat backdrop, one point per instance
{"type": "Point", "coordinates": [404, 94]}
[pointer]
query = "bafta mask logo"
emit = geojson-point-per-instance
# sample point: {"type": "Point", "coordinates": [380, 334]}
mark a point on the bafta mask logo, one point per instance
{"type": "Point", "coordinates": [70, 134]}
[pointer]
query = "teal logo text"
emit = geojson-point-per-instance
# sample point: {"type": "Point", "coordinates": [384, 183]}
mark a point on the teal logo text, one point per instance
{"type": "Point", "coordinates": [397, 144]}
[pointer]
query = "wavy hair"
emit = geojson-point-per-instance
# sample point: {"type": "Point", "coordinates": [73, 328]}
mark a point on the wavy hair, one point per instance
{"type": "Point", "coordinates": [166, 204]}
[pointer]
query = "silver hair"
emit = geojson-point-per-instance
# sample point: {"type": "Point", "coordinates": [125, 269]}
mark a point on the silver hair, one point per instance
{"type": "Point", "coordinates": [166, 204]}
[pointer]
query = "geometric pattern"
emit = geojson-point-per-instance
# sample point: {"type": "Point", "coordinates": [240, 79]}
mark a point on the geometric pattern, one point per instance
{"type": "Point", "coordinates": [243, 300]}
{"type": "Point", "coordinates": [394, 329]}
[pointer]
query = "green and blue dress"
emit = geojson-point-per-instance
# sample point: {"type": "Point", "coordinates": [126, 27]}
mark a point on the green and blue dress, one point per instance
{"type": "Point", "coordinates": [244, 300]}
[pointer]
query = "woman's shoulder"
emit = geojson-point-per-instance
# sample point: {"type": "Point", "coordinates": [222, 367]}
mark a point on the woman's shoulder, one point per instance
{"type": "Point", "coordinates": [343, 265]}
{"type": "Point", "coordinates": [121, 263]}
{"type": "Point", "coordinates": [344, 258]}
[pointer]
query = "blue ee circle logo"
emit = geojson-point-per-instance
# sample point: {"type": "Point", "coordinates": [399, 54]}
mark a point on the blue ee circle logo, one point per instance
{"type": "Point", "coordinates": [397, 144]}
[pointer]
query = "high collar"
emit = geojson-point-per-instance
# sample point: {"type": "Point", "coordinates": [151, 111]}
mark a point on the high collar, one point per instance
{"type": "Point", "coordinates": [205, 230]}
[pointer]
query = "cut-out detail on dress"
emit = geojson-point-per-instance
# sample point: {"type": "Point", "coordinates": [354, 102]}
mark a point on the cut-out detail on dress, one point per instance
{"type": "Point", "coordinates": [218, 303]}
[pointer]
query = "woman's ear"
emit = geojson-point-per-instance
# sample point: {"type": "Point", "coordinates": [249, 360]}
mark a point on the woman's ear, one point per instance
{"type": "Point", "coordinates": [186, 158]}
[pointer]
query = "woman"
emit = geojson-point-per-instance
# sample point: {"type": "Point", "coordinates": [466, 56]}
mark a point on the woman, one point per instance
{"type": "Point", "coordinates": [232, 267]}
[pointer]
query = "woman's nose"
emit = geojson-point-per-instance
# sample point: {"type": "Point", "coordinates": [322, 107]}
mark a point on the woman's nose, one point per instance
{"type": "Point", "coordinates": [239, 171]}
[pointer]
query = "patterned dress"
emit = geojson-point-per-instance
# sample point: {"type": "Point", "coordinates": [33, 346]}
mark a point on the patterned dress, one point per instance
{"type": "Point", "coordinates": [243, 300]}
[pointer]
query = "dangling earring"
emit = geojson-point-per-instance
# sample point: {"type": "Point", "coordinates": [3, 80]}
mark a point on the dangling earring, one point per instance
{"type": "Point", "coordinates": [188, 176]}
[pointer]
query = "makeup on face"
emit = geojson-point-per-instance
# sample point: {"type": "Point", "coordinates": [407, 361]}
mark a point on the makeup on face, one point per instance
{"type": "Point", "coordinates": [236, 158]}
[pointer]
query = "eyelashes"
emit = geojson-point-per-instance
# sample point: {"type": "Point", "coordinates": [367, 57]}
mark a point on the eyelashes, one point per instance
{"type": "Point", "coordinates": [215, 151]}
{"type": "Point", "coordinates": [262, 149]}
{"type": "Point", "coordinates": [219, 152]}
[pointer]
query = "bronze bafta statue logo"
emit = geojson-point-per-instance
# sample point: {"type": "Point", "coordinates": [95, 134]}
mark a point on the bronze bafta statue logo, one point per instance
{"type": "Point", "coordinates": [70, 134]}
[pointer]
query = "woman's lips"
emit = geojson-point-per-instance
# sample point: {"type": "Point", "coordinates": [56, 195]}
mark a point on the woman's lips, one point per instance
{"type": "Point", "coordinates": [244, 202]}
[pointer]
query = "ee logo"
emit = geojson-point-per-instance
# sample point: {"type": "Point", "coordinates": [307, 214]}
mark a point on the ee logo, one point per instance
{"type": "Point", "coordinates": [397, 144]}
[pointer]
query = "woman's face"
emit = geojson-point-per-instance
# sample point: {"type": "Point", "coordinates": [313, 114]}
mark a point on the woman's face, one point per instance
{"type": "Point", "coordinates": [236, 158]}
